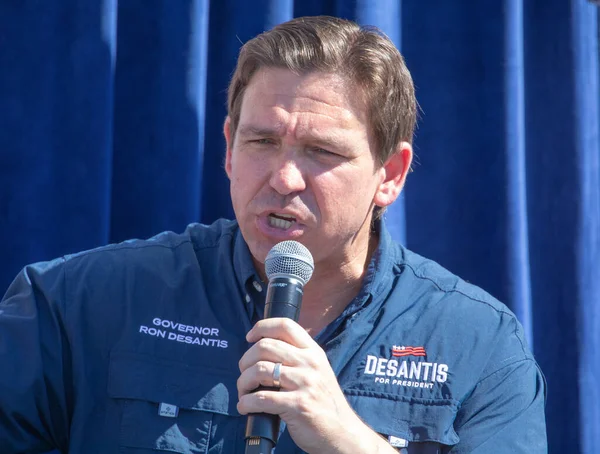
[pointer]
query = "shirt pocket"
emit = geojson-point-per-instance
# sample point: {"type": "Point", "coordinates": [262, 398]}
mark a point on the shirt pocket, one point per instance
{"type": "Point", "coordinates": [199, 412]}
{"type": "Point", "coordinates": [426, 424]}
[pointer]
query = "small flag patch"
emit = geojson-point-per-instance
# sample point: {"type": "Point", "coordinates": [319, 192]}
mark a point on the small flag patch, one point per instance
{"type": "Point", "coordinates": [401, 350]}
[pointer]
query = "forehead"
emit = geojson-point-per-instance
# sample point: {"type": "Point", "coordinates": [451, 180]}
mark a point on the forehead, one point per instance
{"type": "Point", "coordinates": [325, 97]}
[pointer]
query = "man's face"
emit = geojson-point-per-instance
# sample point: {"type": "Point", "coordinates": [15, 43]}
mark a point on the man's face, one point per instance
{"type": "Point", "coordinates": [302, 166]}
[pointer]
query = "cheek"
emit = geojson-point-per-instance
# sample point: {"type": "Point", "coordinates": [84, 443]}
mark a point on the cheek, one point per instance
{"type": "Point", "coordinates": [247, 182]}
{"type": "Point", "coordinates": [339, 197]}
{"type": "Point", "coordinates": [245, 172]}
{"type": "Point", "coordinates": [345, 198]}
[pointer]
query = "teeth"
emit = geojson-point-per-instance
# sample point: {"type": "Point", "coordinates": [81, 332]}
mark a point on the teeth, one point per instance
{"type": "Point", "coordinates": [286, 216]}
{"type": "Point", "coordinates": [280, 223]}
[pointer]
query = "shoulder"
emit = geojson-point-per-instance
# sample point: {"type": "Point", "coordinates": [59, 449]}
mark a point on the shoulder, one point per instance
{"type": "Point", "coordinates": [468, 319]}
{"type": "Point", "coordinates": [431, 277]}
{"type": "Point", "coordinates": [161, 257]}
{"type": "Point", "coordinates": [196, 237]}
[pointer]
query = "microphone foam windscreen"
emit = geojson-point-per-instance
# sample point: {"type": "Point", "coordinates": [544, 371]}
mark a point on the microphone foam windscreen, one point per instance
{"type": "Point", "coordinates": [290, 258]}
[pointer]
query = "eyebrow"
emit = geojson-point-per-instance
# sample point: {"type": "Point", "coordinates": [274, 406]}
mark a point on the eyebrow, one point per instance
{"type": "Point", "coordinates": [328, 140]}
{"type": "Point", "coordinates": [259, 131]}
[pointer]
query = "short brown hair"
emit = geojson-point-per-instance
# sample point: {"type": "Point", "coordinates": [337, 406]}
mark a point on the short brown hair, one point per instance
{"type": "Point", "coordinates": [329, 44]}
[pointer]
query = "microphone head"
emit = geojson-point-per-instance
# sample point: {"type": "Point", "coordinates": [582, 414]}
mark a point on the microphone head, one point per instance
{"type": "Point", "coordinates": [290, 258]}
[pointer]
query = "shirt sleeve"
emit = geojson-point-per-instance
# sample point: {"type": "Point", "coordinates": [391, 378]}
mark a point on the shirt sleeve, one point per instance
{"type": "Point", "coordinates": [505, 412]}
{"type": "Point", "coordinates": [35, 362]}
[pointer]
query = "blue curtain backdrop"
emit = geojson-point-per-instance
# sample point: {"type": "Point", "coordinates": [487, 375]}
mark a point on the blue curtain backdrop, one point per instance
{"type": "Point", "coordinates": [110, 128]}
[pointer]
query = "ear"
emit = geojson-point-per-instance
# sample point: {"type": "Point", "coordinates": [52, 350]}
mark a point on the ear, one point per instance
{"type": "Point", "coordinates": [393, 175]}
{"type": "Point", "coordinates": [229, 143]}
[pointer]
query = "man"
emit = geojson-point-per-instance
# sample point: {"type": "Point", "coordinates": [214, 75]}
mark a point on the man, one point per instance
{"type": "Point", "coordinates": [159, 345]}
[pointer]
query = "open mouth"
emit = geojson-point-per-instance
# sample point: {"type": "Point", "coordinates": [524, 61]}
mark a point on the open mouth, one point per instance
{"type": "Point", "coordinates": [281, 221]}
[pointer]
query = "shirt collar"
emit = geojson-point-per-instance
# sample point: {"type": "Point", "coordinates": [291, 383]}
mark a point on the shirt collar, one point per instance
{"type": "Point", "coordinates": [248, 280]}
{"type": "Point", "coordinates": [242, 260]}
{"type": "Point", "coordinates": [378, 274]}
{"type": "Point", "coordinates": [376, 280]}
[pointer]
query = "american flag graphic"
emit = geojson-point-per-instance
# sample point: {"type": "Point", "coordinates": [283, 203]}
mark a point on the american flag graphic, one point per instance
{"type": "Point", "coordinates": [401, 350]}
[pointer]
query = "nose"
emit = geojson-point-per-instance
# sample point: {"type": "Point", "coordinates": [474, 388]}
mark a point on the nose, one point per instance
{"type": "Point", "coordinates": [287, 177]}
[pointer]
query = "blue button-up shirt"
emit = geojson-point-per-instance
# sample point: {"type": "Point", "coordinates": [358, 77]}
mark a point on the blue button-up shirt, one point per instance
{"type": "Point", "coordinates": [134, 348]}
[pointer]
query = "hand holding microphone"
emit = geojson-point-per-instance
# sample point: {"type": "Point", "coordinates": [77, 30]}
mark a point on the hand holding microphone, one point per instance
{"type": "Point", "coordinates": [289, 266]}
{"type": "Point", "coordinates": [291, 371]}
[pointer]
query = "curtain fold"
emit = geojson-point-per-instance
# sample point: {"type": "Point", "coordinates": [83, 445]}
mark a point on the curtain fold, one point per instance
{"type": "Point", "coordinates": [111, 119]}
{"type": "Point", "coordinates": [519, 276]}
{"type": "Point", "coordinates": [584, 24]}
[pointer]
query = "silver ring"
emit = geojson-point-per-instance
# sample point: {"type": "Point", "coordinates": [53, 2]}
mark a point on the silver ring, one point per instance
{"type": "Point", "coordinates": [277, 375]}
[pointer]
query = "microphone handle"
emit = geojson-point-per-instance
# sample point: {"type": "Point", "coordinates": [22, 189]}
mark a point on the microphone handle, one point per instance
{"type": "Point", "coordinates": [284, 299]}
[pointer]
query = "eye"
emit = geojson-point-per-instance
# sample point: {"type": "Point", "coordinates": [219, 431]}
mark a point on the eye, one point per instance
{"type": "Point", "coordinates": [263, 141]}
{"type": "Point", "coordinates": [321, 151]}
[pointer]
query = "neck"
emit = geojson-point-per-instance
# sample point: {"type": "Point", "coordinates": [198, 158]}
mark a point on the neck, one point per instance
{"type": "Point", "coordinates": [332, 288]}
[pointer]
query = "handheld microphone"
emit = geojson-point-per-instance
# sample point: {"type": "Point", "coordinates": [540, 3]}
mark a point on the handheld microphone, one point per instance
{"type": "Point", "coordinates": [289, 265]}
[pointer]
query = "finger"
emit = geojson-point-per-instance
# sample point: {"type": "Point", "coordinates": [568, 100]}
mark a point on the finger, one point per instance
{"type": "Point", "coordinates": [265, 401]}
{"type": "Point", "coordinates": [284, 329]}
{"type": "Point", "coordinates": [272, 350]}
{"type": "Point", "coordinates": [261, 374]}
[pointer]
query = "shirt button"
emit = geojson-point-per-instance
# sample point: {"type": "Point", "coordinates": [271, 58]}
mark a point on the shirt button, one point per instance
{"type": "Point", "coordinates": [257, 286]}
{"type": "Point", "coordinates": [248, 298]}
